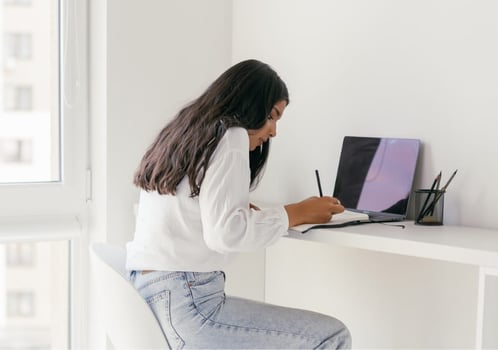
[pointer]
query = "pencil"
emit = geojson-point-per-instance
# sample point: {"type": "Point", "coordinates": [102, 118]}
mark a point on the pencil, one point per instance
{"type": "Point", "coordinates": [436, 190]}
{"type": "Point", "coordinates": [449, 181]}
{"type": "Point", "coordinates": [318, 183]}
{"type": "Point", "coordinates": [439, 194]}
{"type": "Point", "coordinates": [439, 180]}
{"type": "Point", "coordinates": [434, 183]}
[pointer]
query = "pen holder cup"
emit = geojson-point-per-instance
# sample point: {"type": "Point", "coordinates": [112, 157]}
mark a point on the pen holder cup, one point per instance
{"type": "Point", "coordinates": [429, 207]}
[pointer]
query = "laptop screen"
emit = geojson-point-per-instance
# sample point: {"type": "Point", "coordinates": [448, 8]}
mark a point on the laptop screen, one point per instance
{"type": "Point", "coordinates": [376, 174]}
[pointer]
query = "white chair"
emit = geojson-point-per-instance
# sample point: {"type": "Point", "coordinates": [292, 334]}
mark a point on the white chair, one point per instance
{"type": "Point", "coordinates": [129, 322]}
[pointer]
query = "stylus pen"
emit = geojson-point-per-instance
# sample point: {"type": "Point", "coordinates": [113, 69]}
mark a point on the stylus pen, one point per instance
{"type": "Point", "coordinates": [318, 183]}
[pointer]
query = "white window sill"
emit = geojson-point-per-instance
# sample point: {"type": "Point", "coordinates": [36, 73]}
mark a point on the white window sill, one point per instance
{"type": "Point", "coordinates": [15, 229]}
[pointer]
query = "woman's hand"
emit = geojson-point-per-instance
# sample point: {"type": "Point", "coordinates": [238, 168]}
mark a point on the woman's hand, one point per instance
{"type": "Point", "coordinates": [314, 210]}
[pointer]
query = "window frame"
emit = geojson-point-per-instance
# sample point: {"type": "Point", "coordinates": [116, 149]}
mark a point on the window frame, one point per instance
{"type": "Point", "coordinates": [58, 210]}
{"type": "Point", "coordinates": [68, 196]}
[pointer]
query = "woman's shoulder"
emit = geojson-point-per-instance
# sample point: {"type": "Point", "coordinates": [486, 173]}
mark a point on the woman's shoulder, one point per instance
{"type": "Point", "coordinates": [236, 138]}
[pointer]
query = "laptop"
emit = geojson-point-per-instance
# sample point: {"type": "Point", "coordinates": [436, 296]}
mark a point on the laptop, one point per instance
{"type": "Point", "coordinates": [375, 176]}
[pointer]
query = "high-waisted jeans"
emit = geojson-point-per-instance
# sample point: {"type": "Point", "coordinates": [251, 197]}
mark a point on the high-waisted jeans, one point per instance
{"type": "Point", "coordinates": [195, 313]}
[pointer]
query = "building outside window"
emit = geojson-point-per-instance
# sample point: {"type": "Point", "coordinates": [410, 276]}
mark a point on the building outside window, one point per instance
{"type": "Point", "coordinates": [17, 2]}
{"type": "Point", "coordinates": [18, 98]}
{"type": "Point", "coordinates": [18, 45]}
{"type": "Point", "coordinates": [34, 293]}
{"type": "Point", "coordinates": [16, 151]}
{"type": "Point", "coordinates": [30, 127]}
{"type": "Point", "coordinates": [20, 254]}
{"type": "Point", "coordinates": [20, 304]}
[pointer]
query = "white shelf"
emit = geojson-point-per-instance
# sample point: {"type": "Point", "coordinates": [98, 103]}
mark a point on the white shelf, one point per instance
{"type": "Point", "coordinates": [466, 245]}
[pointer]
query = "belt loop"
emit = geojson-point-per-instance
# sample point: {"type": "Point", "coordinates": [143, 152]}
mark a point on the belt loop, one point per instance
{"type": "Point", "coordinates": [190, 277]}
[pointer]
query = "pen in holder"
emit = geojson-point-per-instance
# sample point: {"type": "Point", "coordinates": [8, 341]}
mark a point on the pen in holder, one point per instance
{"type": "Point", "coordinates": [429, 206]}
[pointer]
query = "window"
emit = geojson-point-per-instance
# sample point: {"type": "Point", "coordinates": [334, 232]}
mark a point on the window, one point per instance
{"type": "Point", "coordinates": [31, 125]}
{"type": "Point", "coordinates": [43, 167]}
{"type": "Point", "coordinates": [34, 295]}
{"type": "Point", "coordinates": [43, 109]}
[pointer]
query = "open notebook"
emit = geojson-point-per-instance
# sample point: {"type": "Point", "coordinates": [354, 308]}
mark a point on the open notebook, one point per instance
{"type": "Point", "coordinates": [346, 218]}
{"type": "Point", "coordinates": [374, 180]}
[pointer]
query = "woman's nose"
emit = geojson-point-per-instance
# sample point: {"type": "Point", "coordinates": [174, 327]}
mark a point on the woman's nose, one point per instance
{"type": "Point", "coordinates": [273, 130]}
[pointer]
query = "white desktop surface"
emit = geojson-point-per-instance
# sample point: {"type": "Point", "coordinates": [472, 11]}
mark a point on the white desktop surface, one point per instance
{"type": "Point", "coordinates": [467, 245]}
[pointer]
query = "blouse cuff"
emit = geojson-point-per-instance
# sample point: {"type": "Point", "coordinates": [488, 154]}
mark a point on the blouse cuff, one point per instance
{"type": "Point", "coordinates": [285, 219]}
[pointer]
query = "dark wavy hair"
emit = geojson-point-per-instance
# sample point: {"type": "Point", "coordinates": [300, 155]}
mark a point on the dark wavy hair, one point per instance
{"type": "Point", "coordinates": [243, 96]}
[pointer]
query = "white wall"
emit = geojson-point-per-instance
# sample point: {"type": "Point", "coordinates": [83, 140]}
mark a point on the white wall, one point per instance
{"type": "Point", "coordinates": [159, 57]}
{"type": "Point", "coordinates": [422, 69]}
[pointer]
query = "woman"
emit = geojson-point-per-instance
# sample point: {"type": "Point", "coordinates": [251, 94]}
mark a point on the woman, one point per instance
{"type": "Point", "coordinates": [194, 215]}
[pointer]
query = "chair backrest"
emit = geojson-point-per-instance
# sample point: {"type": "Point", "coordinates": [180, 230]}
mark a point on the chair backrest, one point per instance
{"type": "Point", "coordinates": [129, 322]}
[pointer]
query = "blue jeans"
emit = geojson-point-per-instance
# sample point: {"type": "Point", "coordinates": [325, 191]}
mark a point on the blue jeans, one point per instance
{"type": "Point", "coordinates": [195, 313]}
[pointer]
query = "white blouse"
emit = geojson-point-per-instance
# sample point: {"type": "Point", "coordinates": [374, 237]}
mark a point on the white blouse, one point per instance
{"type": "Point", "coordinates": [180, 233]}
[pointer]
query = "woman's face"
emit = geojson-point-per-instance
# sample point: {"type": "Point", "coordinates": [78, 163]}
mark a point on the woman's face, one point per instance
{"type": "Point", "coordinates": [258, 136]}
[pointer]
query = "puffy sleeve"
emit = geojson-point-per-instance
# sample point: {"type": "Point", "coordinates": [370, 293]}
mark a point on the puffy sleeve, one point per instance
{"type": "Point", "coordinates": [228, 224]}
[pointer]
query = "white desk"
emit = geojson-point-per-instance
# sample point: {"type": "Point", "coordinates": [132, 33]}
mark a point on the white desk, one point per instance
{"type": "Point", "coordinates": [466, 245]}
